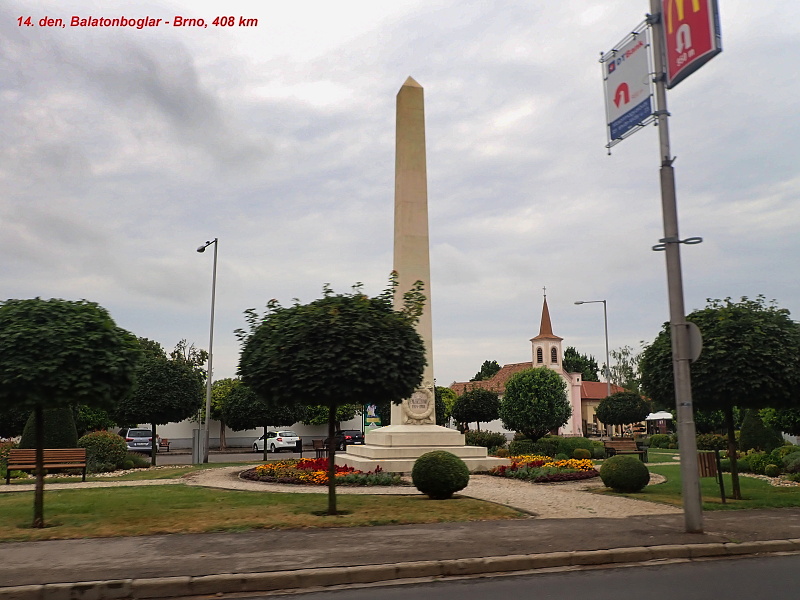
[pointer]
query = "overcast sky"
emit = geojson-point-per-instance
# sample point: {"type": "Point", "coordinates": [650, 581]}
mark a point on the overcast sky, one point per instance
{"type": "Point", "coordinates": [122, 150]}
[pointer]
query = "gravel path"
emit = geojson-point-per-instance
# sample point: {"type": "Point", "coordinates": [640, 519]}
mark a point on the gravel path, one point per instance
{"type": "Point", "coordinates": [567, 500]}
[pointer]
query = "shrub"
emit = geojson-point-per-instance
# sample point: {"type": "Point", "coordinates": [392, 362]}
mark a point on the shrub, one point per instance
{"type": "Point", "coordinates": [580, 453]}
{"type": "Point", "coordinates": [743, 464]}
{"type": "Point", "coordinates": [711, 441]}
{"type": "Point", "coordinates": [439, 474]}
{"type": "Point", "coordinates": [140, 461]}
{"type": "Point", "coordinates": [660, 440]}
{"type": "Point", "coordinates": [568, 445]}
{"type": "Point", "coordinates": [105, 451]}
{"type": "Point", "coordinates": [757, 462]}
{"type": "Point", "coordinates": [547, 446]}
{"type": "Point", "coordinates": [624, 473]}
{"type": "Point", "coordinates": [772, 470]}
{"type": "Point", "coordinates": [502, 453]}
{"type": "Point", "coordinates": [59, 429]}
{"type": "Point", "coordinates": [521, 447]}
{"type": "Point", "coordinates": [755, 435]}
{"type": "Point", "coordinates": [778, 455]}
{"type": "Point", "coordinates": [561, 456]}
{"type": "Point", "coordinates": [791, 463]}
{"type": "Point", "coordinates": [725, 465]}
{"type": "Point", "coordinates": [672, 446]}
{"type": "Point", "coordinates": [598, 450]}
{"type": "Point", "coordinates": [487, 439]}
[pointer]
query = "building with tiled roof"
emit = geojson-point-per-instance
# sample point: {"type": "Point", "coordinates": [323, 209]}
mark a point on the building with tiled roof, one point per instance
{"type": "Point", "coordinates": [584, 396]}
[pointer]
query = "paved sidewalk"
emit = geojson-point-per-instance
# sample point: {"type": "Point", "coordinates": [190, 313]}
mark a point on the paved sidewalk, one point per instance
{"type": "Point", "coordinates": [196, 564]}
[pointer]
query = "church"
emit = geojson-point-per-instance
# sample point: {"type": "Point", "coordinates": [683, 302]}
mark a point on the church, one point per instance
{"type": "Point", "coordinates": [547, 351]}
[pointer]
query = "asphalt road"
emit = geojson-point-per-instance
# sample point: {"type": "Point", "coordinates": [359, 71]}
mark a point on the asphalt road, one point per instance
{"type": "Point", "coordinates": [731, 579]}
{"type": "Point", "coordinates": [183, 458]}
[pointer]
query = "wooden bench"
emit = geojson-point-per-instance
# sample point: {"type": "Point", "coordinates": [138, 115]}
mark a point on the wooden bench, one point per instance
{"type": "Point", "coordinates": [163, 443]}
{"type": "Point", "coordinates": [614, 447]}
{"type": "Point", "coordinates": [54, 458]}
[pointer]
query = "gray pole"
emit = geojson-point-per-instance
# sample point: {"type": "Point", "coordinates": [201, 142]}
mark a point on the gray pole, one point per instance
{"type": "Point", "coordinates": [608, 363]}
{"type": "Point", "coordinates": [209, 377]}
{"type": "Point", "coordinates": [692, 499]}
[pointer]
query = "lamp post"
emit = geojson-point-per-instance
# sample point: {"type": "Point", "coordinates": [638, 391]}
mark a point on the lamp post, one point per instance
{"type": "Point", "coordinates": [605, 323]}
{"type": "Point", "coordinates": [207, 435]}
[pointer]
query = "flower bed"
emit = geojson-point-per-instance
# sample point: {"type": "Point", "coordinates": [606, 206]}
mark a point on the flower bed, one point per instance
{"type": "Point", "coordinates": [308, 471]}
{"type": "Point", "coordinates": [543, 469]}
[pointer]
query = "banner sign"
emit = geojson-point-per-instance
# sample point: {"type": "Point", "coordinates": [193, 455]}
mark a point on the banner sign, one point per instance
{"type": "Point", "coordinates": [628, 83]}
{"type": "Point", "coordinates": [691, 36]}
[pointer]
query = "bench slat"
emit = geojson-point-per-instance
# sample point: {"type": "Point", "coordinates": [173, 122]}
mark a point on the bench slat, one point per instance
{"type": "Point", "coordinates": [24, 459]}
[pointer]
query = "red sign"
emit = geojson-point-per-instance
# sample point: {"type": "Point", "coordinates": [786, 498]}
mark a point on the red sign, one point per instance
{"type": "Point", "coordinates": [691, 36]}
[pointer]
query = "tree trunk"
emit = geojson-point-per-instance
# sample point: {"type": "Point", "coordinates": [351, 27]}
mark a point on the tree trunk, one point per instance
{"type": "Point", "coordinates": [265, 442]}
{"type": "Point", "coordinates": [732, 455]}
{"type": "Point", "coordinates": [38, 498]}
{"type": "Point", "coordinates": [223, 444]}
{"type": "Point", "coordinates": [153, 444]}
{"type": "Point", "coordinates": [478, 425]}
{"type": "Point", "coordinates": [331, 464]}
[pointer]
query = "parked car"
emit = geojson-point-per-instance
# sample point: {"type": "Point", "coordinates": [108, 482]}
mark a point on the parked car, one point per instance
{"type": "Point", "coordinates": [277, 441]}
{"type": "Point", "coordinates": [139, 439]}
{"type": "Point", "coordinates": [347, 437]}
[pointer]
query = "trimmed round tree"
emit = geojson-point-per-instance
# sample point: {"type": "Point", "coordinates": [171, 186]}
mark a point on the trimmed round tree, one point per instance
{"type": "Point", "coordinates": [339, 349]}
{"type": "Point", "coordinates": [622, 408]}
{"type": "Point", "coordinates": [243, 409]}
{"type": "Point", "coordinates": [749, 360]}
{"type": "Point", "coordinates": [168, 389]}
{"type": "Point", "coordinates": [58, 353]}
{"type": "Point", "coordinates": [535, 402]}
{"type": "Point", "coordinates": [478, 405]}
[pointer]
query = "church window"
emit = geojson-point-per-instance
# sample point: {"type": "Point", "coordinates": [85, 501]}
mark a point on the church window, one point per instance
{"type": "Point", "coordinates": [539, 356]}
{"type": "Point", "coordinates": [553, 356]}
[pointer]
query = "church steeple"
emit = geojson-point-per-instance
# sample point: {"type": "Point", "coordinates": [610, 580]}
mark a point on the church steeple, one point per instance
{"type": "Point", "coordinates": [546, 345]}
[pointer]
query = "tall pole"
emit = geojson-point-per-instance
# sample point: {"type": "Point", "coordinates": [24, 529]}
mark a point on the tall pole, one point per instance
{"type": "Point", "coordinates": [679, 330]}
{"type": "Point", "coordinates": [605, 325]}
{"type": "Point", "coordinates": [206, 427]}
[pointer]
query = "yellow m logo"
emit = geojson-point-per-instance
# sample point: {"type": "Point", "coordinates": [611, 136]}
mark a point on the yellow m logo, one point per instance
{"type": "Point", "coordinates": [675, 8]}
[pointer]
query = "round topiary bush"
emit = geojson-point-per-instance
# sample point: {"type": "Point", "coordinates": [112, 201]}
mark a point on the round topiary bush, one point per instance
{"type": "Point", "coordinates": [439, 474]}
{"type": "Point", "coordinates": [581, 453]}
{"type": "Point", "coordinates": [624, 473]}
{"type": "Point", "coordinates": [772, 470]}
{"type": "Point", "coordinates": [105, 451]}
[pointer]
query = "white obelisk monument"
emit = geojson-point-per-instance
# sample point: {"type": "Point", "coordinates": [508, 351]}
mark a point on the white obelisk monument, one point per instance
{"type": "Point", "coordinates": [413, 431]}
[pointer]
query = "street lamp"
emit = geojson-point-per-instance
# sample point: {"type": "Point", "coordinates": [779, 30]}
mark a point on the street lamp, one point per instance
{"type": "Point", "coordinates": [210, 348]}
{"type": "Point", "coordinates": [605, 322]}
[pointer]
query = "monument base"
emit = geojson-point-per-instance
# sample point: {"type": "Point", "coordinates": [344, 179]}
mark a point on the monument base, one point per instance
{"type": "Point", "coordinates": [395, 448]}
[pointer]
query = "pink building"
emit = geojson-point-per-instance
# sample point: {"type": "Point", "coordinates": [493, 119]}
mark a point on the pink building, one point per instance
{"type": "Point", "coordinates": [547, 351]}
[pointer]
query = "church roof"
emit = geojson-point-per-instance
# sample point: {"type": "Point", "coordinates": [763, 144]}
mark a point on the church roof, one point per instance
{"type": "Point", "coordinates": [590, 390]}
{"type": "Point", "coordinates": [546, 328]}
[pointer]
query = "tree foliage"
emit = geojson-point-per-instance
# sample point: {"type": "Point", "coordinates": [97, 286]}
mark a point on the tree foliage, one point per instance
{"type": "Point", "coordinates": [476, 405]}
{"type": "Point", "coordinates": [756, 435]}
{"type": "Point", "coordinates": [168, 389]}
{"type": "Point", "coordinates": [57, 353]}
{"type": "Point", "coordinates": [333, 351]}
{"type": "Point", "coordinates": [535, 402]}
{"type": "Point", "coordinates": [488, 370]}
{"type": "Point", "coordinates": [749, 360]}
{"type": "Point", "coordinates": [782, 419]}
{"type": "Point", "coordinates": [318, 414]}
{"type": "Point", "coordinates": [12, 421]}
{"type": "Point", "coordinates": [622, 408]}
{"type": "Point", "coordinates": [445, 399]}
{"type": "Point", "coordinates": [59, 429]}
{"type": "Point", "coordinates": [624, 370]}
{"type": "Point", "coordinates": [575, 362]}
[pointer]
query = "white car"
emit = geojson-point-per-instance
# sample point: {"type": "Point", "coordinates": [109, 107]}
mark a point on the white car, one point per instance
{"type": "Point", "coordinates": [277, 441]}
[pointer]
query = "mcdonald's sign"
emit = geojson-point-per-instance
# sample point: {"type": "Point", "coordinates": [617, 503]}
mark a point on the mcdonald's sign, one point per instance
{"type": "Point", "coordinates": [691, 36]}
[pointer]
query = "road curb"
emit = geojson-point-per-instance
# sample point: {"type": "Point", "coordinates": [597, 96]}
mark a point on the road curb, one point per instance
{"type": "Point", "coordinates": [227, 583]}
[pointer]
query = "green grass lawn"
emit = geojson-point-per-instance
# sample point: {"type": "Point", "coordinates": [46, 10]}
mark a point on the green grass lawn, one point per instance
{"type": "Point", "coordinates": [132, 511]}
{"type": "Point", "coordinates": [756, 493]}
{"type": "Point", "coordinates": [657, 455]}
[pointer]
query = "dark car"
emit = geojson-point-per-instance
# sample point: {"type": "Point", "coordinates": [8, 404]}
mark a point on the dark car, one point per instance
{"type": "Point", "coordinates": [346, 437]}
